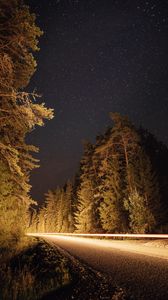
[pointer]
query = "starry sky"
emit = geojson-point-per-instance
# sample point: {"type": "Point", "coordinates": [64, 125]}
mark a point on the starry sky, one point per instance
{"type": "Point", "coordinates": [96, 57]}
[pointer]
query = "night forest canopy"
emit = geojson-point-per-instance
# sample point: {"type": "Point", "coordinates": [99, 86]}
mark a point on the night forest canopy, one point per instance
{"type": "Point", "coordinates": [122, 182]}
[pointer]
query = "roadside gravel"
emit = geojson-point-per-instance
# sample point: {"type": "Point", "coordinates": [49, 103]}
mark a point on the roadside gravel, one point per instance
{"type": "Point", "coordinates": [86, 284]}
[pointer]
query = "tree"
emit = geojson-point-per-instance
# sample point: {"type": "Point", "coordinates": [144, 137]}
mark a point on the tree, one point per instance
{"type": "Point", "coordinates": [19, 114]}
{"type": "Point", "coordinates": [42, 217]}
{"type": "Point", "coordinates": [19, 37]}
{"type": "Point", "coordinates": [51, 210]}
{"type": "Point", "coordinates": [68, 217]}
{"type": "Point", "coordinates": [33, 223]}
{"type": "Point", "coordinates": [143, 203]}
{"type": "Point", "coordinates": [112, 214]}
{"type": "Point", "coordinates": [60, 211]}
{"type": "Point", "coordinates": [125, 140]}
{"type": "Point", "coordinates": [158, 153]}
{"type": "Point", "coordinates": [58, 207]}
{"type": "Point", "coordinates": [141, 218]}
{"type": "Point", "coordinates": [86, 215]}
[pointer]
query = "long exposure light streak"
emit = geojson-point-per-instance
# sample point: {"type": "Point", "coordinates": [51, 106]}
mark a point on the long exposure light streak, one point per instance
{"type": "Point", "coordinates": [101, 235]}
{"type": "Point", "coordinates": [123, 242]}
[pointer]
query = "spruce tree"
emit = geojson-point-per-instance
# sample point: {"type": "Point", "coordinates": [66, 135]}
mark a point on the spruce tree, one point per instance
{"type": "Point", "coordinates": [143, 203]}
{"type": "Point", "coordinates": [86, 216]}
{"type": "Point", "coordinates": [158, 153]}
{"type": "Point", "coordinates": [68, 211]}
{"type": "Point", "coordinates": [42, 220]}
{"type": "Point", "coordinates": [112, 213]}
{"type": "Point", "coordinates": [140, 216]}
{"type": "Point", "coordinates": [33, 221]}
{"type": "Point", "coordinates": [51, 210]}
{"type": "Point", "coordinates": [60, 211]}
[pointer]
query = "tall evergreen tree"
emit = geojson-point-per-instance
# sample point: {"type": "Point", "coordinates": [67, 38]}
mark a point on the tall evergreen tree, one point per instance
{"type": "Point", "coordinates": [68, 209]}
{"type": "Point", "coordinates": [86, 214]}
{"type": "Point", "coordinates": [143, 202]}
{"type": "Point", "coordinates": [112, 214]}
{"type": "Point", "coordinates": [51, 210]}
{"type": "Point", "coordinates": [140, 216]}
{"type": "Point", "coordinates": [125, 141]}
{"type": "Point", "coordinates": [33, 223]}
{"type": "Point", "coordinates": [18, 113]}
{"type": "Point", "coordinates": [58, 194]}
{"type": "Point", "coordinates": [146, 190]}
{"type": "Point", "coordinates": [42, 220]}
{"type": "Point", "coordinates": [158, 153]}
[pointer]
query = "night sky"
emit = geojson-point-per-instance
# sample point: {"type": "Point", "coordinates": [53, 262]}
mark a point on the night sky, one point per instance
{"type": "Point", "coordinates": [96, 57]}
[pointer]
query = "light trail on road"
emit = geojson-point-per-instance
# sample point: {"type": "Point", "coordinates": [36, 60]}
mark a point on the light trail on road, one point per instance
{"type": "Point", "coordinates": [122, 235]}
{"type": "Point", "coordinates": [96, 240]}
{"type": "Point", "coordinates": [100, 240]}
{"type": "Point", "coordinates": [138, 244]}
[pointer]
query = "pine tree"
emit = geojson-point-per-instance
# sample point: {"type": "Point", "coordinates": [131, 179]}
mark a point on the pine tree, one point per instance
{"type": "Point", "coordinates": [19, 38]}
{"type": "Point", "coordinates": [18, 113]}
{"type": "Point", "coordinates": [125, 140]}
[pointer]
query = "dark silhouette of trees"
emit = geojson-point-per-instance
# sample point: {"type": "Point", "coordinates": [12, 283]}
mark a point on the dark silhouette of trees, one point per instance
{"type": "Point", "coordinates": [158, 154]}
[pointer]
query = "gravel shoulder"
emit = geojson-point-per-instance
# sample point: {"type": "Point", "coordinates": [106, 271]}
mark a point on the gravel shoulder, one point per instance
{"type": "Point", "coordinates": [86, 283]}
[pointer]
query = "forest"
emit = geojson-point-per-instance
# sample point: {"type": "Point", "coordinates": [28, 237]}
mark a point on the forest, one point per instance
{"type": "Point", "coordinates": [120, 187]}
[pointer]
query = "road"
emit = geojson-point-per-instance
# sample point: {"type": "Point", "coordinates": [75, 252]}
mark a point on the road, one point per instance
{"type": "Point", "coordinates": [142, 271]}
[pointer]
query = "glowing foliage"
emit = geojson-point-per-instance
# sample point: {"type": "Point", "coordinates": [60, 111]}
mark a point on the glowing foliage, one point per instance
{"type": "Point", "coordinates": [85, 215]}
{"type": "Point", "coordinates": [111, 208]}
{"type": "Point", "coordinates": [56, 214]}
{"type": "Point", "coordinates": [124, 187]}
{"type": "Point", "coordinates": [116, 189]}
{"type": "Point", "coordinates": [18, 113]}
{"type": "Point", "coordinates": [141, 218]}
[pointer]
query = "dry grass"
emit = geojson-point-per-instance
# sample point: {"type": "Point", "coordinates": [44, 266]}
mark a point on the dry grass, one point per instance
{"type": "Point", "coordinates": [31, 270]}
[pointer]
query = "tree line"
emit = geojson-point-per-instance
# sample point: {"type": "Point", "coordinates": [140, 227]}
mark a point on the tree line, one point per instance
{"type": "Point", "coordinates": [121, 186]}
